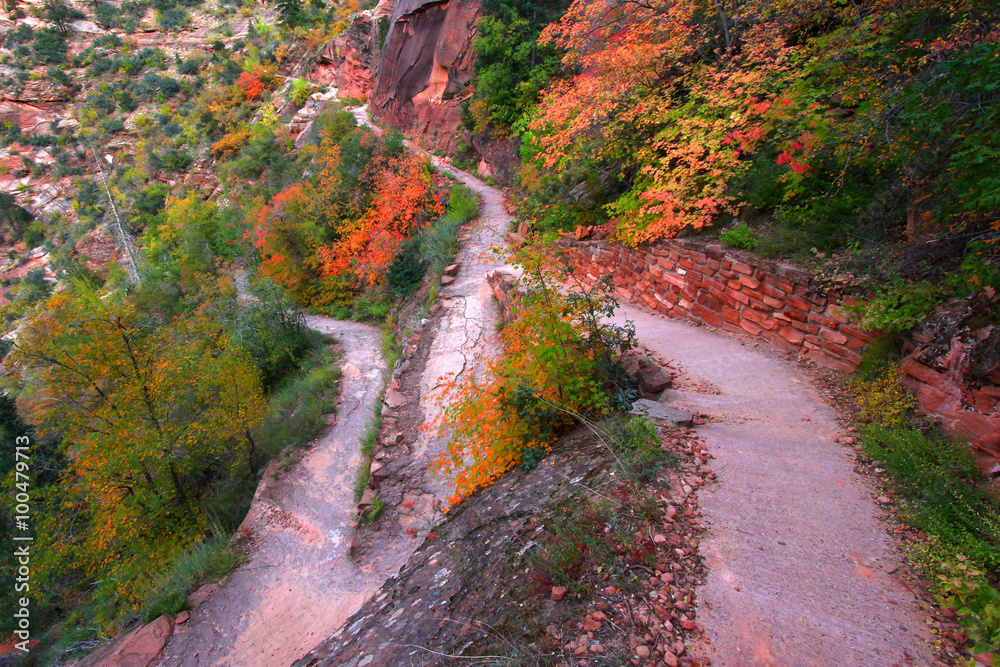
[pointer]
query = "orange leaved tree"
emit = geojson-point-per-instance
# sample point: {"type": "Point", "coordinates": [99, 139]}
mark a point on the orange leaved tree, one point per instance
{"type": "Point", "coordinates": [558, 364]}
{"type": "Point", "coordinates": [404, 199]}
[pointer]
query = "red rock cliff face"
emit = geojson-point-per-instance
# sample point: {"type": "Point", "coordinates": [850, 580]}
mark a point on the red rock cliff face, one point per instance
{"type": "Point", "coordinates": [348, 61]}
{"type": "Point", "coordinates": [425, 70]}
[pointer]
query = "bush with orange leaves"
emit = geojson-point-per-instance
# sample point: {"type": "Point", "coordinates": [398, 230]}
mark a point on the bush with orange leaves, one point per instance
{"type": "Point", "coordinates": [561, 362]}
{"type": "Point", "coordinates": [404, 199]}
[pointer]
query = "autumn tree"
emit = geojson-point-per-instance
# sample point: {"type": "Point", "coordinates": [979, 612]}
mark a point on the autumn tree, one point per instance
{"type": "Point", "coordinates": [147, 409]}
{"type": "Point", "coordinates": [403, 200]}
{"type": "Point", "coordinates": [560, 363]}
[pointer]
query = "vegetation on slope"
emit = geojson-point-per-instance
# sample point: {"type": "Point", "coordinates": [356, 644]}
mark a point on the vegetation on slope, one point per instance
{"type": "Point", "coordinates": [155, 392]}
{"type": "Point", "coordinates": [866, 131]}
{"type": "Point", "coordinates": [951, 511]}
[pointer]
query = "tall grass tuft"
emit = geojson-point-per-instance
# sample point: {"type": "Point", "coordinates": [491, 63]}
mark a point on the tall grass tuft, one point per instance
{"type": "Point", "coordinates": [211, 560]}
{"type": "Point", "coordinates": [439, 241]}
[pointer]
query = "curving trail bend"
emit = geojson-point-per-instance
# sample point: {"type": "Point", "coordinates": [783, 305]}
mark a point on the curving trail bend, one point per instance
{"type": "Point", "coordinates": [299, 580]}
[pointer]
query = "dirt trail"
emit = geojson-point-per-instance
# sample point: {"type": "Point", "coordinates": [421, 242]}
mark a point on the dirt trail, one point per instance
{"type": "Point", "coordinates": [299, 581]}
{"type": "Point", "coordinates": [799, 566]}
{"type": "Point", "coordinates": [465, 332]}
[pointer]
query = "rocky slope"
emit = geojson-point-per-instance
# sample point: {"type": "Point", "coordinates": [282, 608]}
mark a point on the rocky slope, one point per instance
{"type": "Point", "coordinates": [953, 366]}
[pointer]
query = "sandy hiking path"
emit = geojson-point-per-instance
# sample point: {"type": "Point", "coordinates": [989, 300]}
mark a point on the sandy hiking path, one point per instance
{"type": "Point", "coordinates": [800, 570]}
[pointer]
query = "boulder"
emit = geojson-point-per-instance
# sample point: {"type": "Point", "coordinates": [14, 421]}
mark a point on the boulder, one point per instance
{"type": "Point", "coordinates": [140, 648]}
{"type": "Point", "coordinates": [653, 380]}
{"type": "Point", "coordinates": [394, 399]}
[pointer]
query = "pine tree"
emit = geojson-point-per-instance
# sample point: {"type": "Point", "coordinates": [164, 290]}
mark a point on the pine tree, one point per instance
{"type": "Point", "coordinates": [290, 11]}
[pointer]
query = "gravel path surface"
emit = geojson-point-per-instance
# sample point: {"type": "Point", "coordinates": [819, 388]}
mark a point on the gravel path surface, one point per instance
{"type": "Point", "coordinates": [799, 566]}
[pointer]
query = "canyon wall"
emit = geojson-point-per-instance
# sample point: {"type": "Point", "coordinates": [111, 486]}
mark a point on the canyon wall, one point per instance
{"type": "Point", "coordinates": [349, 61]}
{"type": "Point", "coordinates": [425, 69]}
{"type": "Point", "coordinates": [953, 357]}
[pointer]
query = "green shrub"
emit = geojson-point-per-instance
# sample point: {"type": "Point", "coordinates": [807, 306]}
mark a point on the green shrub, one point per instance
{"type": "Point", "coordinates": [375, 511]}
{"type": "Point", "coordinates": [106, 15]}
{"type": "Point", "coordinates": [898, 306]}
{"type": "Point", "coordinates": [602, 533]}
{"type": "Point", "coordinates": [367, 450]}
{"type": "Point", "coordinates": [879, 356]}
{"type": "Point", "coordinates": [976, 603]}
{"type": "Point", "coordinates": [636, 446]}
{"type": "Point", "coordinates": [113, 125]}
{"type": "Point", "coordinates": [177, 160]}
{"type": "Point", "coordinates": [438, 242]}
{"type": "Point", "coordinates": [945, 494]}
{"type": "Point", "coordinates": [740, 235]}
{"type": "Point", "coordinates": [208, 561]}
{"type": "Point", "coordinates": [300, 91]}
{"type": "Point", "coordinates": [49, 46]}
{"type": "Point", "coordinates": [368, 308]}
{"type": "Point", "coordinates": [383, 30]}
{"type": "Point", "coordinates": [173, 19]}
{"type": "Point", "coordinates": [406, 272]}
{"type": "Point", "coordinates": [20, 35]}
{"type": "Point", "coordinates": [189, 67]}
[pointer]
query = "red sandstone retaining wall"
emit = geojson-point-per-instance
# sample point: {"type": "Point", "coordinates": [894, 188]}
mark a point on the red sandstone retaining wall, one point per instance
{"type": "Point", "coordinates": [778, 303]}
{"type": "Point", "coordinates": [787, 308]}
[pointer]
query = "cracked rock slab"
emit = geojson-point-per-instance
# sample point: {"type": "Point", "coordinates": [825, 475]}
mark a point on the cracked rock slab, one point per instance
{"type": "Point", "coordinates": [662, 414]}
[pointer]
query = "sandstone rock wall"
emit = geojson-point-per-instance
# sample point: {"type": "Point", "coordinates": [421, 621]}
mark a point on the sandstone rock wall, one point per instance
{"type": "Point", "coordinates": [953, 361]}
{"type": "Point", "coordinates": [425, 69]}
{"type": "Point", "coordinates": [348, 61]}
{"type": "Point", "coordinates": [953, 366]}
{"type": "Point", "coordinates": [700, 282]}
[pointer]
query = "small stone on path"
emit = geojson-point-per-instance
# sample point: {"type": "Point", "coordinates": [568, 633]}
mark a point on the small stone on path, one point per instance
{"type": "Point", "coordinates": [662, 414]}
